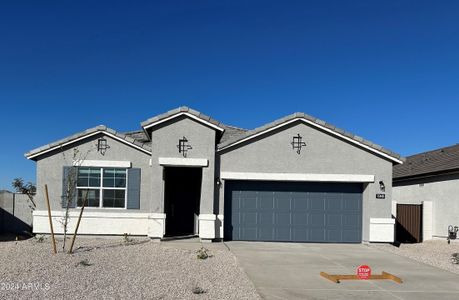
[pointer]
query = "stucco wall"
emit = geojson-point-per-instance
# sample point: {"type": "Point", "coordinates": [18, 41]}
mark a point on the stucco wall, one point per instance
{"type": "Point", "coordinates": [50, 170]}
{"type": "Point", "coordinates": [165, 138]}
{"type": "Point", "coordinates": [442, 191]}
{"type": "Point", "coordinates": [323, 154]}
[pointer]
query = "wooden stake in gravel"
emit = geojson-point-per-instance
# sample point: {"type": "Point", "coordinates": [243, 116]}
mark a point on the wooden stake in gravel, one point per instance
{"type": "Point", "coordinates": [85, 198]}
{"type": "Point", "coordinates": [50, 219]}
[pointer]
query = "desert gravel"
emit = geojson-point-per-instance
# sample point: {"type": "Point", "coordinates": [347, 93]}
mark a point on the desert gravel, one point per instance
{"type": "Point", "coordinates": [114, 269]}
{"type": "Point", "coordinates": [436, 253]}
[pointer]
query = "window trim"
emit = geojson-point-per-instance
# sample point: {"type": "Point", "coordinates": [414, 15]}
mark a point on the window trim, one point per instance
{"type": "Point", "coordinates": [101, 189]}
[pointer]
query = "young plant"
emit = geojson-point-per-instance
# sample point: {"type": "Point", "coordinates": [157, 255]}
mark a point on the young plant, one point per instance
{"type": "Point", "coordinates": [203, 253]}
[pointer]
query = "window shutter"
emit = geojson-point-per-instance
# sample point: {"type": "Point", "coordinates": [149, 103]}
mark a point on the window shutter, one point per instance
{"type": "Point", "coordinates": [69, 176]}
{"type": "Point", "coordinates": [133, 189]}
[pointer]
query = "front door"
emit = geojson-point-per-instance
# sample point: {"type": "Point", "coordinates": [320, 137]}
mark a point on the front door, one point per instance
{"type": "Point", "coordinates": [182, 198]}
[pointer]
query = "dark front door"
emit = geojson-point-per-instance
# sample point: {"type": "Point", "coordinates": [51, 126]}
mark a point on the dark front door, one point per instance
{"type": "Point", "coordinates": [293, 212]}
{"type": "Point", "coordinates": [182, 196]}
{"type": "Point", "coordinates": [408, 228]}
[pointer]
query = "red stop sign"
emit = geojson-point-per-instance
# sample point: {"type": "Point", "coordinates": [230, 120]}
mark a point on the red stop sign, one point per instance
{"type": "Point", "coordinates": [364, 272]}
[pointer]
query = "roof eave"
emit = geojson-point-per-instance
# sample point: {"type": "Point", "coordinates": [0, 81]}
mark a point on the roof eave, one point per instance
{"type": "Point", "coordinates": [395, 158]}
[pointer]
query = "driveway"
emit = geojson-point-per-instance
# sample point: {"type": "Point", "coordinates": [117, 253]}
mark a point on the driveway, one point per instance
{"type": "Point", "coordinates": [291, 271]}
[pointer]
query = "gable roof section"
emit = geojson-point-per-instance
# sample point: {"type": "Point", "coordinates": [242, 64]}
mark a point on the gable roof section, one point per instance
{"type": "Point", "coordinates": [359, 141]}
{"type": "Point", "coordinates": [439, 161]}
{"type": "Point", "coordinates": [124, 138]}
{"type": "Point", "coordinates": [182, 111]}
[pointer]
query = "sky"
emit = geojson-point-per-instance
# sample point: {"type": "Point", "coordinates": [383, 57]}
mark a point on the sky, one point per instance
{"type": "Point", "coordinates": [385, 70]}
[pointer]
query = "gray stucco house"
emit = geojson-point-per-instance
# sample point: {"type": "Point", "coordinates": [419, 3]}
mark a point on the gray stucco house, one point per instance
{"type": "Point", "coordinates": [430, 179]}
{"type": "Point", "coordinates": [184, 173]}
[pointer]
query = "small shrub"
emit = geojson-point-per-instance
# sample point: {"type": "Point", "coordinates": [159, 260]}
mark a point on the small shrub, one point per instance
{"type": "Point", "coordinates": [203, 253]}
{"type": "Point", "coordinates": [198, 290]}
{"type": "Point", "coordinates": [84, 263]}
{"type": "Point", "coordinates": [455, 258]}
{"type": "Point", "coordinates": [127, 239]}
{"type": "Point", "coordinates": [40, 239]}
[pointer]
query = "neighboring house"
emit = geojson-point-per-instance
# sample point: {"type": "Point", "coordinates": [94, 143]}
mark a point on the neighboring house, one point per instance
{"type": "Point", "coordinates": [430, 179]}
{"type": "Point", "coordinates": [295, 179]}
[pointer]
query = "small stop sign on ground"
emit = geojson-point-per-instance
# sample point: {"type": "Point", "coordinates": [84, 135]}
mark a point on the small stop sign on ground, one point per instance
{"type": "Point", "coordinates": [364, 272]}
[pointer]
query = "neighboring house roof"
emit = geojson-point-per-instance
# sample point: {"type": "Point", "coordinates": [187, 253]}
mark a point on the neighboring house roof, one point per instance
{"type": "Point", "coordinates": [129, 140]}
{"type": "Point", "coordinates": [240, 138]}
{"type": "Point", "coordinates": [182, 111]}
{"type": "Point", "coordinates": [439, 161]}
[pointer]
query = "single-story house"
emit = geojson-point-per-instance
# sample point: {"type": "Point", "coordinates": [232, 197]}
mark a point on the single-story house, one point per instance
{"type": "Point", "coordinates": [295, 179]}
{"type": "Point", "coordinates": [429, 180]}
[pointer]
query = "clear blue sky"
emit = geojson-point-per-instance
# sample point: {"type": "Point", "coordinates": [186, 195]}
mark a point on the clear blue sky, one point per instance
{"type": "Point", "coordinates": [385, 70]}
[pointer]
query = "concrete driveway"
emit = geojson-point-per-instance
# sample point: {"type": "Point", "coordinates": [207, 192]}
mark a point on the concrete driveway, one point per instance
{"type": "Point", "coordinates": [291, 271]}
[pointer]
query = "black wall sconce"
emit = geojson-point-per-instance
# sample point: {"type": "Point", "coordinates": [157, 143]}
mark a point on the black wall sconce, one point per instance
{"type": "Point", "coordinates": [183, 146]}
{"type": "Point", "coordinates": [102, 145]}
{"type": "Point", "coordinates": [382, 186]}
{"type": "Point", "coordinates": [218, 181]}
{"type": "Point", "coordinates": [297, 143]}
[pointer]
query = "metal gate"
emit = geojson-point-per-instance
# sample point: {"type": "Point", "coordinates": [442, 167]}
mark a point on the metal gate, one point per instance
{"type": "Point", "coordinates": [409, 223]}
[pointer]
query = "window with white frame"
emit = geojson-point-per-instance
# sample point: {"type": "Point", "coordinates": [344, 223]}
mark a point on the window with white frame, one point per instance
{"type": "Point", "coordinates": [106, 187]}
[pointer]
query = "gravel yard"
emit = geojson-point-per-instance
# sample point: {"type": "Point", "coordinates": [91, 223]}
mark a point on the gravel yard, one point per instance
{"type": "Point", "coordinates": [115, 269]}
{"type": "Point", "coordinates": [436, 253]}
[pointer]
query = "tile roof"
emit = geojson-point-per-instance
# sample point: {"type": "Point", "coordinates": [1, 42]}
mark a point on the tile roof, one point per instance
{"type": "Point", "coordinates": [101, 128]}
{"type": "Point", "coordinates": [432, 162]}
{"type": "Point", "coordinates": [300, 115]}
{"type": "Point", "coordinates": [177, 111]}
{"type": "Point", "coordinates": [230, 135]}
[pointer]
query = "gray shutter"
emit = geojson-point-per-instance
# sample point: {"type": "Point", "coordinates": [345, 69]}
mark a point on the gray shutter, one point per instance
{"type": "Point", "coordinates": [133, 189]}
{"type": "Point", "coordinates": [69, 174]}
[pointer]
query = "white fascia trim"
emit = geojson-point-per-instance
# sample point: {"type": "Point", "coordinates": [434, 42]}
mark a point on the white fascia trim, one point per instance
{"type": "Point", "coordinates": [320, 127]}
{"type": "Point", "coordinates": [93, 214]}
{"type": "Point", "coordinates": [382, 221]}
{"type": "Point", "coordinates": [102, 163]}
{"type": "Point", "coordinates": [297, 177]}
{"type": "Point", "coordinates": [207, 217]}
{"type": "Point", "coordinates": [186, 114]}
{"type": "Point", "coordinates": [175, 161]}
{"type": "Point", "coordinates": [86, 136]}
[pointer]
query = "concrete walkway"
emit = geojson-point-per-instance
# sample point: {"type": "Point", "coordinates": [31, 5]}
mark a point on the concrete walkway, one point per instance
{"type": "Point", "coordinates": [291, 271]}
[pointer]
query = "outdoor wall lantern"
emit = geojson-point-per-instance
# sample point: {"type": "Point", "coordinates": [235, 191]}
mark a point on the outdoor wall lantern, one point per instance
{"type": "Point", "coordinates": [382, 186]}
{"type": "Point", "coordinates": [102, 145]}
{"type": "Point", "coordinates": [297, 143]}
{"type": "Point", "coordinates": [218, 181]}
{"type": "Point", "coordinates": [183, 146]}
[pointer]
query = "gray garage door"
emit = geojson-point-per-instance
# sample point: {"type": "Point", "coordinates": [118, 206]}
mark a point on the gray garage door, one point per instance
{"type": "Point", "coordinates": [290, 211]}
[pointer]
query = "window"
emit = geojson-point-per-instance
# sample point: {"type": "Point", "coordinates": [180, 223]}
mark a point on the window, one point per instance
{"type": "Point", "coordinates": [106, 187]}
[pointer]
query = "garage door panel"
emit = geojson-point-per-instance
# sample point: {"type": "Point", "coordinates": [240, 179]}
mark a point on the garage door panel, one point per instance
{"type": "Point", "coordinates": [282, 211]}
{"type": "Point", "coordinates": [316, 220]}
{"type": "Point", "coordinates": [300, 204]}
{"type": "Point", "coordinates": [352, 220]}
{"type": "Point", "coordinates": [334, 204]}
{"type": "Point", "coordinates": [266, 233]}
{"type": "Point", "coordinates": [249, 233]}
{"type": "Point", "coordinates": [248, 203]}
{"type": "Point", "coordinates": [352, 236]}
{"type": "Point", "coordinates": [317, 235]}
{"type": "Point", "coordinates": [317, 204]}
{"type": "Point", "coordinates": [300, 218]}
{"type": "Point", "coordinates": [334, 235]}
{"type": "Point", "coordinates": [283, 218]}
{"type": "Point", "coordinates": [300, 234]}
{"type": "Point", "coordinates": [248, 218]}
{"type": "Point", "coordinates": [266, 218]}
{"type": "Point", "coordinates": [266, 202]}
{"type": "Point", "coordinates": [334, 220]}
{"type": "Point", "coordinates": [282, 233]}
